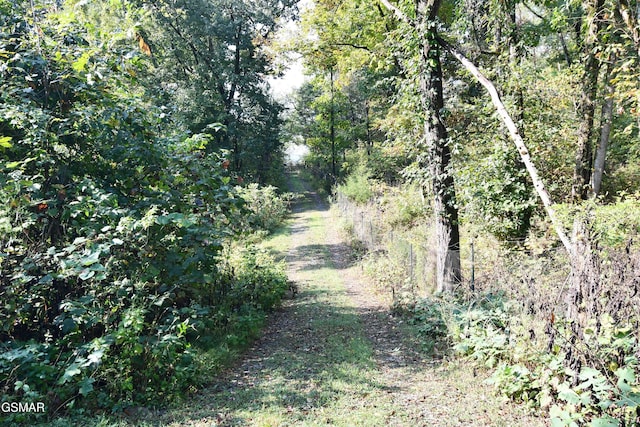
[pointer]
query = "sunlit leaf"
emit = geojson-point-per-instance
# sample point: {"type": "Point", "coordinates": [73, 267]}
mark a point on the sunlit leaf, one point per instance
{"type": "Point", "coordinates": [5, 142]}
{"type": "Point", "coordinates": [81, 64]}
{"type": "Point", "coordinates": [69, 373]}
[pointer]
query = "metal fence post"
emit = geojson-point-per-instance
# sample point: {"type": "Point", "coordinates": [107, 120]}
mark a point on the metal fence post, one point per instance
{"type": "Point", "coordinates": [473, 267]}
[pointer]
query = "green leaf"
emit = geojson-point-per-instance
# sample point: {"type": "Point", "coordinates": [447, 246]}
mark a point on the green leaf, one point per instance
{"type": "Point", "coordinates": [589, 374]}
{"type": "Point", "coordinates": [626, 377]}
{"type": "Point", "coordinates": [86, 274]}
{"type": "Point", "coordinates": [95, 357]}
{"type": "Point", "coordinates": [69, 373]}
{"type": "Point", "coordinates": [605, 421]}
{"type": "Point", "coordinates": [86, 386]}
{"type": "Point", "coordinates": [68, 325]}
{"type": "Point", "coordinates": [561, 417]}
{"type": "Point", "coordinates": [216, 127]}
{"type": "Point", "coordinates": [90, 259]}
{"type": "Point", "coordinates": [12, 165]}
{"type": "Point", "coordinates": [48, 279]}
{"type": "Point", "coordinates": [81, 63]}
{"type": "Point", "coordinates": [570, 396]}
{"type": "Point", "coordinates": [5, 142]}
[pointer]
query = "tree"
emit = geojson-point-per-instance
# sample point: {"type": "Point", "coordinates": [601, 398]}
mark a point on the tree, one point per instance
{"type": "Point", "coordinates": [212, 62]}
{"type": "Point", "coordinates": [112, 233]}
{"type": "Point", "coordinates": [587, 102]}
{"type": "Point", "coordinates": [506, 118]}
{"type": "Point", "coordinates": [436, 155]}
{"type": "Point", "coordinates": [627, 20]}
{"type": "Point", "coordinates": [606, 122]}
{"type": "Point", "coordinates": [495, 175]}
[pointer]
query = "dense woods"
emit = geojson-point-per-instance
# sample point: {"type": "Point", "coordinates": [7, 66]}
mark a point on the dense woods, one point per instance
{"type": "Point", "coordinates": [142, 154]}
{"type": "Point", "coordinates": [125, 129]}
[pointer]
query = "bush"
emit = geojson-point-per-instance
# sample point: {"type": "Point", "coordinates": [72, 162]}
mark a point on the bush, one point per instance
{"type": "Point", "coordinates": [496, 192]}
{"type": "Point", "coordinates": [268, 209]}
{"type": "Point", "coordinates": [489, 331]}
{"type": "Point", "coordinates": [258, 281]}
{"type": "Point", "coordinates": [357, 186]}
{"type": "Point", "coordinates": [111, 235]}
{"type": "Point", "coordinates": [405, 207]}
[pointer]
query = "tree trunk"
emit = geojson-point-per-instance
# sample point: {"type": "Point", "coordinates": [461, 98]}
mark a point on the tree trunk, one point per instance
{"type": "Point", "coordinates": [583, 299]}
{"type": "Point", "coordinates": [368, 125]}
{"type": "Point", "coordinates": [436, 157]}
{"type": "Point", "coordinates": [437, 162]}
{"type": "Point", "coordinates": [332, 130]}
{"type": "Point", "coordinates": [586, 103]}
{"type": "Point", "coordinates": [605, 131]}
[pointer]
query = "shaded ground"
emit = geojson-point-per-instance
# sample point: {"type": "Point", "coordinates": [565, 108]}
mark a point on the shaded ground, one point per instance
{"type": "Point", "coordinates": [335, 356]}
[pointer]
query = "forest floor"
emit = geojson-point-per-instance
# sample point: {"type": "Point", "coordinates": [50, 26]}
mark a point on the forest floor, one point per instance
{"type": "Point", "coordinates": [334, 354]}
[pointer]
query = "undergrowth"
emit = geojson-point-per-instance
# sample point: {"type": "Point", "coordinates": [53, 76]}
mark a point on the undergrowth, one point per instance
{"type": "Point", "coordinates": [357, 186]}
{"type": "Point", "coordinates": [491, 332]}
{"type": "Point", "coordinates": [141, 312]}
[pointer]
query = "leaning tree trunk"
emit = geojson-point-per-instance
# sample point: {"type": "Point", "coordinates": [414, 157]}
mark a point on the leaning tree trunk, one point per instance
{"type": "Point", "coordinates": [505, 117]}
{"type": "Point", "coordinates": [582, 300]}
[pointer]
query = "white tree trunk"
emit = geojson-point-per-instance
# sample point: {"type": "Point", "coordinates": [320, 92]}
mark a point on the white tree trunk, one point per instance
{"type": "Point", "coordinates": [519, 142]}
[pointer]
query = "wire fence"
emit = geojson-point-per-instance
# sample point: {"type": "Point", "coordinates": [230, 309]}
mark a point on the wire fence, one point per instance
{"type": "Point", "coordinates": [537, 279]}
{"type": "Point", "coordinates": [414, 255]}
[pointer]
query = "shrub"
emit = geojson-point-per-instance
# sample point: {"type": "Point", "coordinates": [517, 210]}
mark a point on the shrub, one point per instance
{"type": "Point", "coordinates": [603, 393]}
{"type": "Point", "coordinates": [111, 235]}
{"type": "Point", "coordinates": [268, 209]}
{"type": "Point", "coordinates": [259, 282]}
{"type": "Point", "coordinates": [405, 207]}
{"type": "Point", "coordinates": [357, 186]}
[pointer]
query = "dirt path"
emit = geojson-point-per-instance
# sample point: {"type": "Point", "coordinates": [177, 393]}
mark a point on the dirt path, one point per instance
{"type": "Point", "coordinates": [334, 355]}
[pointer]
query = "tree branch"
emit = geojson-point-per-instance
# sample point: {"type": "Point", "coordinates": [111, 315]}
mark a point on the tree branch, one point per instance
{"type": "Point", "coordinates": [355, 46]}
{"type": "Point", "coordinates": [399, 14]}
{"type": "Point", "coordinates": [517, 139]}
{"type": "Point", "coordinates": [530, 9]}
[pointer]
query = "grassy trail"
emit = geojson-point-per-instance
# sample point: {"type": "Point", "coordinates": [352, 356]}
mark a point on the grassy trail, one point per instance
{"type": "Point", "coordinates": [334, 356]}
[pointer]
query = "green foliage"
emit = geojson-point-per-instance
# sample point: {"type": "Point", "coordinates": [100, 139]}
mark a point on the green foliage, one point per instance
{"type": "Point", "coordinates": [258, 282]}
{"type": "Point", "coordinates": [502, 194]}
{"type": "Point", "coordinates": [405, 206]}
{"type": "Point", "coordinates": [616, 223]}
{"type": "Point", "coordinates": [427, 317]}
{"type": "Point", "coordinates": [345, 51]}
{"type": "Point", "coordinates": [210, 59]}
{"type": "Point", "coordinates": [112, 234]}
{"type": "Point", "coordinates": [387, 272]}
{"type": "Point", "coordinates": [481, 333]}
{"type": "Point", "coordinates": [268, 209]}
{"type": "Point", "coordinates": [357, 186]}
{"type": "Point", "coordinates": [255, 285]}
{"type": "Point", "coordinates": [385, 163]}
{"type": "Point", "coordinates": [489, 332]}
